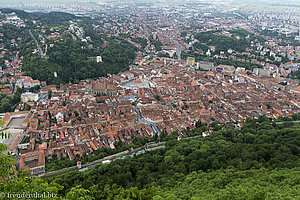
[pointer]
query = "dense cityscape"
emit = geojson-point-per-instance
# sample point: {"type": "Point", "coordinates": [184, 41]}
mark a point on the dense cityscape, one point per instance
{"type": "Point", "coordinates": [92, 85]}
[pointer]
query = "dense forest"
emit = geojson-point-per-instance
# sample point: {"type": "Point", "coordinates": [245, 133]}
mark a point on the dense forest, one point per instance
{"type": "Point", "coordinates": [238, 41]}
{"type": "Point", "coordinates": [52, 18]}
{"type": "Point", "coordinates": [222, 43]}
{"type": "Point", "coordinates": [8, 103]}
{"type": "Point", "coordinates": [157, 43]}
{"type": "Point", "coordinates": [73, 61]}
{"type": "Point", "coordinates": [257, 162]}
{"type": "Point", "coordinates": [222, 184]}
{"type": "Point", "coordinates": [142, 41]}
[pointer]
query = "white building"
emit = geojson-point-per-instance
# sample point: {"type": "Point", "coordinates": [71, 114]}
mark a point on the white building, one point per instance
{"type": "Point", "coordinates": [27, 82]}
{"type": "Point", "coordinates": [261, 72]}
{"type": "Point", "coordinates": [29, 96]}
{"type": "Point", "coordinates": [99, 59]}
{"type": "Point", "coordinates": [208, 53]}
{"type": "Point", "coordinates": [240, 69]}
{"type": "Point", "coordinates": [59, 116]}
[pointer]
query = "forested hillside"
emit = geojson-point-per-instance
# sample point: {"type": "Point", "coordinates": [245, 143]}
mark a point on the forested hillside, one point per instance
{"type": "Point", "coordinates": [223, 184]}
{"type": "Point", "coordinates": [71, 53]}
{"type": "Point", "coordinates": [51, 18]}
{"type": "Point", "coordinates": [72, 63]}
{"type": "Point", "coordinates": [236, 40]}
{"type": "Point", "coordinates": [257, 162]}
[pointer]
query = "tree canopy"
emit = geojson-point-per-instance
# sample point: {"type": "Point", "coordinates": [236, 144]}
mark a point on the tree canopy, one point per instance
{"type": "Point", "coordinates": [74, 61]}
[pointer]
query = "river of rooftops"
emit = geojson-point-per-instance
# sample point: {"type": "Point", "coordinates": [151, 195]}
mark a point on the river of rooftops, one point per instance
{"type": "Point", "coordinates": [165, 96]}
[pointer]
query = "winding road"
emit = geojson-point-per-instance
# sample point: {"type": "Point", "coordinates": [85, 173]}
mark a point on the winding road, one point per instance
{"type": "Point", "coordinates": [37, 44]}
